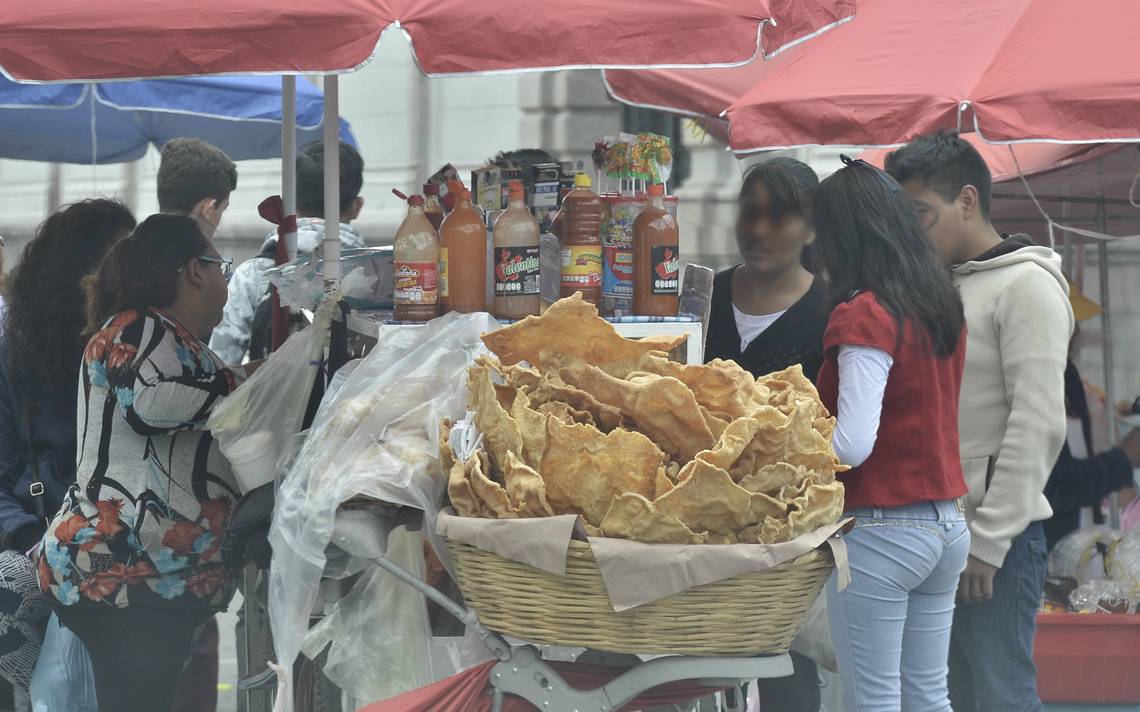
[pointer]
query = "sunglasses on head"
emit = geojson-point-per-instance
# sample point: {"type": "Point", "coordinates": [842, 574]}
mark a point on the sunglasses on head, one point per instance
{"type": "Point", "coordinates": [891, 183]}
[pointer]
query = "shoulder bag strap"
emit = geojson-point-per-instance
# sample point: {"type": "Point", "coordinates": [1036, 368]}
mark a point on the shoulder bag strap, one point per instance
{"type": "Point", "coordinates": [36, 488]}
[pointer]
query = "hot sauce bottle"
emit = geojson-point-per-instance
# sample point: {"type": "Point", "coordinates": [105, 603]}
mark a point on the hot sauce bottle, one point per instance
{"type": "Point", "coordinates": [463, 255]}
{"type": "Point", "coordinates": [581, 233]}
{"type": "Point", "coordinates": [516, 260]}
{"type": "Point", "coordinates": [656, 258]}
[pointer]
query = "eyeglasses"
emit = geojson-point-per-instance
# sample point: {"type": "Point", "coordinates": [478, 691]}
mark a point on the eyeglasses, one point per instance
{"type": "Point", "coordinates": [891, 183]}
{"type": "Point", "coordinates": [225, 263]}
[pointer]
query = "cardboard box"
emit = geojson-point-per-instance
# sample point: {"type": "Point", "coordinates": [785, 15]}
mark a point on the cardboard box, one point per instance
{"type": "Point", "coordinates": [487, 188]}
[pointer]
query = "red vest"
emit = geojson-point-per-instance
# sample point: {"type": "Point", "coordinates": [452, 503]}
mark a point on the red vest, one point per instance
{"type": "Point", "coordinates": [916, 456]}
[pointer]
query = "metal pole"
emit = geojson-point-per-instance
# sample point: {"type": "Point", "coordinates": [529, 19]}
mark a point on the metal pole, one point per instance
{"type": "Point", "coordinates": [289, 152]}
{"type": "Point", "coordinates": [331, 244]}
{"type": "Point", "coordinates": [1106, 336]}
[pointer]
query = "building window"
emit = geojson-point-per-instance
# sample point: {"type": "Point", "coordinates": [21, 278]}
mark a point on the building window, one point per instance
{"type": "Point", "coordinates": [638, 120]}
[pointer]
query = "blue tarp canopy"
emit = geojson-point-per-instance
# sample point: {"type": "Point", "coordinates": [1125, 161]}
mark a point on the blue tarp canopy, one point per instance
{"type": "Point", "coordinates": [113, 122]}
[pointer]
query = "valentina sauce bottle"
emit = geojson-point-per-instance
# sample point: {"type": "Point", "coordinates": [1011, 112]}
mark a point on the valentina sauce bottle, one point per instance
{"type": "Point", "coordinates": [656, 258]}
{"type": "Point", "coordinates": [463, 255]}
{"type": "Point", "coordinates": [516, 259]}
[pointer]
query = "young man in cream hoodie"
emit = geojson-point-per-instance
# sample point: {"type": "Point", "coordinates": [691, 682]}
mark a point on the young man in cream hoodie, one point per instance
{"type": "Point", "coordinates": [1011, 417]}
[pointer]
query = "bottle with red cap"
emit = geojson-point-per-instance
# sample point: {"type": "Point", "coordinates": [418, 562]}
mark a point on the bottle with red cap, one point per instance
{"type": "Point", "coordinates": [416, 258]}
{"type": "Point", "coordinates": [463, 255]}
{"type": "Point", "coordinates": [656, 258]}
{"type": "Point", "coordinates": [516, 259]}
{"type": "Point", "coordinates": [433, 206]}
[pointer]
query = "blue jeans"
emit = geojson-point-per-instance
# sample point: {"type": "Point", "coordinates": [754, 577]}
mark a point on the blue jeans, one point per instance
{"type": "Point", "coordinates": [891, 625]}
{"type": "Point", "coordinates": [991, 654]}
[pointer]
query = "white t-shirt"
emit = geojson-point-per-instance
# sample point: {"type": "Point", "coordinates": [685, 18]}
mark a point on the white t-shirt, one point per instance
{"type": "Point", "coordinates": [749, 326]}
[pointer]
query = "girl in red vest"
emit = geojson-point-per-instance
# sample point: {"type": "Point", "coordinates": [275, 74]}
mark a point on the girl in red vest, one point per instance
{"type": "Point", "coordinates": [894, 350]}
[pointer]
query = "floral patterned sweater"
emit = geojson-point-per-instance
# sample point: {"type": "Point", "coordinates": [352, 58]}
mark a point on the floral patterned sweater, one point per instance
{"type": "Point", "coordinates": [143, 524]}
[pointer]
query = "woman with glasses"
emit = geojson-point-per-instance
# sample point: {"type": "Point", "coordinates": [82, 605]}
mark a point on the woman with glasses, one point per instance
{"type": "Point", "coordinates": [132, 558]}
{"type": "Point", "coordinates": [894, 352]}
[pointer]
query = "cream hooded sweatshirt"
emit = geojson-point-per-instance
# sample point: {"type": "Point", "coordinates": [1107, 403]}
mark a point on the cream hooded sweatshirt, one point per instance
{"type": "Point", "coordinates": [1012, 407]}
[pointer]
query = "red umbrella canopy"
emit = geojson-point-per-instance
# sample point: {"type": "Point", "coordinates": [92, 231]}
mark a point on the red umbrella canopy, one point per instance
{"type": "Point", "coordinates": [1013, 70]}
{"type": "Point", "coordinates": [113, 39]}
{"type": "Point", "coordinates": [1084, 186]}
{"type": "Point", "coordinates": [707, 92]}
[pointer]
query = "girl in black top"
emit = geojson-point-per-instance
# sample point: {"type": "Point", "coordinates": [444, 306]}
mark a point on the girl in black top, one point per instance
{"type": "Point", "coordinates": [769, 313]}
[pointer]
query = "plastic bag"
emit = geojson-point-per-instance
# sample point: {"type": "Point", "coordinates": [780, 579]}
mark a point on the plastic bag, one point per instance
{"type": "Point", "coordinates": [367, 279]}
{"type": "Point", "coordinates": [1104, 596]}
{"type": "Point", "coordinates": [265, 412]}
{"type": "Point", "coordinates": [1123, 561]}
{"type": "Point", "coordinates": [1077, 556]}
{"type": "Point", "coordinates": [814, 637]}
{"type": "Point", "coordinates": [63, 679]}
{"type": "Point", "coordinates": [382, 625]}
{"type": "Point", "coordinates": [377, 437]}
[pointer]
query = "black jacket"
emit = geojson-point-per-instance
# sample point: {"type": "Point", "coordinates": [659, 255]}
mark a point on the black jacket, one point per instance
{"type": "Point", "coordinates": [1076, 483]}
{"type": "Point", "coordinates": [54, 442]}
{"type": "Point", "coordinates": [796, 337]}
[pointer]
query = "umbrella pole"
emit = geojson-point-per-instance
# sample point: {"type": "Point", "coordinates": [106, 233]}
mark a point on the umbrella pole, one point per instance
{"type": "Point", "coordinates": [1106, 345]}
{"type": "Point", "coordinates": [331, 244]}
{"type": "Point", "coordinates": [289, 152]}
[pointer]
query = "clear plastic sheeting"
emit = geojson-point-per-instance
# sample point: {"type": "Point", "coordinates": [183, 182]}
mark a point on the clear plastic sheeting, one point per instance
{"type": "Point", "coordinates": [366, 282]}
{"type": "Point", "coordinates": [266, 411]}
{"type": "Point", "coordinates": [379, 635]}
{"type": "Point", "coordinates": [814, 637]}
{"type": "Point", "coordinates": [378, 438]}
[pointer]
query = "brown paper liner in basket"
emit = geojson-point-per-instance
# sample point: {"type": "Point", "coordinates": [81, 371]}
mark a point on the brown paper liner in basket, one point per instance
{"type": "Point", "coordinates": [753, 614]}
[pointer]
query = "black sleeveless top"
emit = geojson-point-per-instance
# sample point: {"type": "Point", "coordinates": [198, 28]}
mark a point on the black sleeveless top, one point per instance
{"type": "Point", "coordinates": [796, 337]}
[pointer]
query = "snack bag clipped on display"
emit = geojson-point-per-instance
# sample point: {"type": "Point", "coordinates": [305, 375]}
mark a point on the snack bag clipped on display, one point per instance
{"type": "Point", "coordinates": [1123, 561]}
{"type": "Point", "coordinates": [654, 153]}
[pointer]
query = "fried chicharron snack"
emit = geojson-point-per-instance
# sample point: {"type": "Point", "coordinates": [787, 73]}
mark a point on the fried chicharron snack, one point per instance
{"type": "Point", "coordinates": [576, 419]}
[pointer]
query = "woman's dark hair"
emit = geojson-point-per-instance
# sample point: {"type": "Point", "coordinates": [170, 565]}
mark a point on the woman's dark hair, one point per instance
{"type": "Point", "coordinates": [870, 240]}
{"type": "Point", "coordinates": [792, 186]}
{"type": "Point", "coordinates": [46, 310]}
{"type": "Point", "coordinates": [141, 272]}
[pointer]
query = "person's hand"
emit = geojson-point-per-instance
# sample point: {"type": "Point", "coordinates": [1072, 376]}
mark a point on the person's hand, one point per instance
{"type": "Point", "coordinates": [976, 584]}
{"type": "Point", "coordinates": [252, 366]}
{"type": "Point", "coordinates": [1131, 446]}
{"type": "Point", "coordinates": [1124, 408]}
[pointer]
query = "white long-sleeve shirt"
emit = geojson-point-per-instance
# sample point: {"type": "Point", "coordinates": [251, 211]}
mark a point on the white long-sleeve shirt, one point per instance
{"type": "Point", "coordinates": [863, 373]}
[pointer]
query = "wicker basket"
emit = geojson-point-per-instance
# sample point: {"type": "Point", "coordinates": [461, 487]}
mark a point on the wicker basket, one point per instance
{"type": "Point", "coordinates": [753, 614]}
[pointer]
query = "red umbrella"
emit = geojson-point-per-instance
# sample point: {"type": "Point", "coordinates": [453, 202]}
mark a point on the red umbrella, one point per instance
{"type": "Point", "coordinates": [707, 92]}
{"type": "Point", "coordinates": [1011, 70]}
{"type": "Point", "coordinates": [80, 39]}
{"type": "Point", "coordinates": [1082, 186]}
